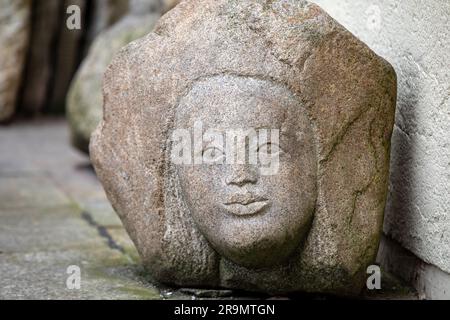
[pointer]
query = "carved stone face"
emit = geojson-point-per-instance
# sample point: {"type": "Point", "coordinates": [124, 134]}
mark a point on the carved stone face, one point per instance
{"type": "Point", "coordinates": [252, 219]}
{"type": "Point", "coordinates": [231, 226]}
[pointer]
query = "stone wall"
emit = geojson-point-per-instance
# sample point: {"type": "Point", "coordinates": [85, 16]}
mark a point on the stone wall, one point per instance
{"type": "Point", "coordinates": [414, 36]}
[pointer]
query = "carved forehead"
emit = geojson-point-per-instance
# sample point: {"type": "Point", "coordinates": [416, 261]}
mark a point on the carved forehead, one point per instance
{"type": "Point", "coordinates": [235, 102]}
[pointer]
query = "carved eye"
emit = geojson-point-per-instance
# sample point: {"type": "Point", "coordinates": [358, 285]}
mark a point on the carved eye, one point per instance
{"type": "Point", "coordinates": [269, 148]}
{"type": "Point", "coordinates": [213, 154]}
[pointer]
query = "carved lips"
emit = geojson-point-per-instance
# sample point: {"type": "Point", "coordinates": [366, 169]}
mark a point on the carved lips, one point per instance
{"type": "Point", "coordinates": [246, 204]}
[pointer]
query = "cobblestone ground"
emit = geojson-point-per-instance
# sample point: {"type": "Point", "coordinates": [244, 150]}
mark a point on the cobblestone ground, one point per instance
{"type": "Point", "coordinates": [54, 214]}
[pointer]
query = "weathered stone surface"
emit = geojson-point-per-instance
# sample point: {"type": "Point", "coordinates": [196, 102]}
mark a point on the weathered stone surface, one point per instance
{"type": "Point", "coordinates": [84, 104]}
{"type": "Point", "coordinates": [280, 64]}
{"type": "Point", "coordinates": [418, 206]}
{"type": "Point", "coordinates": [14, 34]}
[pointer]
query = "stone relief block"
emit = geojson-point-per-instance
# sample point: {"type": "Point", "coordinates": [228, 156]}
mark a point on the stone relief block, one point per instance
{"type": "Point", "coordinates": [283, 65]}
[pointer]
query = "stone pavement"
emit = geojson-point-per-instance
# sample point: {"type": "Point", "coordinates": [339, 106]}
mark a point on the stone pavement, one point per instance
{"type": "Point", "coordinates": [54, 214]}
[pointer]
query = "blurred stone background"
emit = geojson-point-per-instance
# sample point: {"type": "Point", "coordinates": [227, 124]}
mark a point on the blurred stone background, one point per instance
{"type": "Point", "coordinates": [40, 55]}
{"type": "Point", "coordinates": [53, 211]}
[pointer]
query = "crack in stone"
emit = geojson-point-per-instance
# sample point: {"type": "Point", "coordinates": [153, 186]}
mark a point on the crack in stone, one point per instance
{"type": "Point", "coordinates": [103, 232]}
{"type": "Point", "coordinates": [342, 134]}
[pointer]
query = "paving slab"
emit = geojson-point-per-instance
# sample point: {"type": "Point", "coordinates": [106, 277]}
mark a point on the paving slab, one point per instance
{"type": "Point", "coordinates": [30, 191]}
{"type": "Point", "coordinates": [104, 274]}
{"type": "Point", "coordinates": [45, 229]}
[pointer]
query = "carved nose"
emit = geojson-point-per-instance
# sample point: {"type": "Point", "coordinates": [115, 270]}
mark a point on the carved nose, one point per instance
{"type": "Point", "coordinates": [240, 175]}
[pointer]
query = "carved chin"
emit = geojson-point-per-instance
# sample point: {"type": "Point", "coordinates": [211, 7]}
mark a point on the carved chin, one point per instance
{"type": "Point", "coordinates": [261, 251]}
